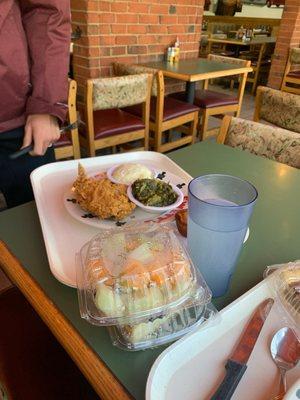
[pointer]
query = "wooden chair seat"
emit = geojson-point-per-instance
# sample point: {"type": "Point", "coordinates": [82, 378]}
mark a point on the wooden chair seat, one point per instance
{"type": "Point", "coordinates": [294, 74]}
{"type": "Point", "coordinates": [33, 365]}
{"type": "Point", "coordinates": [114, 122]}
{"type": "Point", "coordinates": [172, 109]}
{"type": "Point", "coordinates": [209, 98]}
{"type": "Point", "coordinates": [63, 141]}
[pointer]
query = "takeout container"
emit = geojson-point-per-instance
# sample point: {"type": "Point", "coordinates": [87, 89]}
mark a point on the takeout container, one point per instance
{"type": "Point", "coordinates": [140, 282]}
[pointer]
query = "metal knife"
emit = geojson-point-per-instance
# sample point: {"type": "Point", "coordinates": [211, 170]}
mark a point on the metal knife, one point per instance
{"type": "Point", "coordinates": [27, 149]}
{"type": "Point", "coordinates": [237, 363]}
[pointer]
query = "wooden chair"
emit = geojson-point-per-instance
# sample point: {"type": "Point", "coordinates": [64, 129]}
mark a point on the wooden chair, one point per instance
{"type": "Point", "coordinates": [107, 124]}
{"type": "Point", "coordinates": [292, 72]}
{"type": "Point", "coordinates": [277, 108]}
{"type": "Point", "coordinates": [263, 140]}
{"type": "Point", "coordinates": [260, 62]}
{"type": "Point", "coordinates": [215, 103]}
{"type": "Point", "coordinates": [68, 143]}
{"type": "Point", "coordinates": [165, 113]}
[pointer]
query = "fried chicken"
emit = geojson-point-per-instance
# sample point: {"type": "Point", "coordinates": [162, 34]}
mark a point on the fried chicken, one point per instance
{"type": "Point", "coordinates": [101, 197]}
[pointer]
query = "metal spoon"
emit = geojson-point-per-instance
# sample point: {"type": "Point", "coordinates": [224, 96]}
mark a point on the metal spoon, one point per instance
{"type": "Point", "coordinates": [285, 350]}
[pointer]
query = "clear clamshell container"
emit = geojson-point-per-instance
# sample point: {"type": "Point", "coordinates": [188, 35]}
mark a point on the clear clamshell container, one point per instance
{"type": "Point", "coordinates": [161, 329]}
{"type": "Point", "coordinates": [137, 274]}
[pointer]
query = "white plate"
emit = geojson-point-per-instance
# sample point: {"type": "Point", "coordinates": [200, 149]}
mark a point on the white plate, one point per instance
{"type": "Point", "coordinates": [139, 214]}
{"type": "Point", "coordinates": [193, 367]}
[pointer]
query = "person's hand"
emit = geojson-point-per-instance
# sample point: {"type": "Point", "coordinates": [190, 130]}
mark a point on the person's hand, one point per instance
{"type": "Point", "coordinates": [42, 130]}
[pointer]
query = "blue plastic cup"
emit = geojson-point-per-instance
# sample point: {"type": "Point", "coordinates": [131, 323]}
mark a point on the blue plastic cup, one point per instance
{"type": "Point", "coordinates": [220, 207]}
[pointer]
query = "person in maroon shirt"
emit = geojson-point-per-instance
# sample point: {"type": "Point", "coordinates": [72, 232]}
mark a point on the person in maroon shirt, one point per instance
{"type": "Point", "coordinates": [34, 61]}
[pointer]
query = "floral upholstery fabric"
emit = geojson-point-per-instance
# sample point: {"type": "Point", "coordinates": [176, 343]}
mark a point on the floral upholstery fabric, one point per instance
{"type": "Point", "coordinates": [228, 60]}
{"type": "Point", "coordinates": [118, 92]}
{"type": "Point", "coordinates": [121, 69]}
{"type": "Point", "coordinates": [263, 140]}
{"type": "Point", "coordinates": [280, 108]}
{"type": "Point", "coordinates": [295, 55]}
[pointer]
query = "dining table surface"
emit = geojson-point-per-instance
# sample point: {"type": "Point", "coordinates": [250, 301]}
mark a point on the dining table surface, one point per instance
{"type": "Point", "coordinates": [274, 238]}
{"type": "Point", "coordinates": [258, 40]}
{"type": "Point", "coordinates": [196, 69]}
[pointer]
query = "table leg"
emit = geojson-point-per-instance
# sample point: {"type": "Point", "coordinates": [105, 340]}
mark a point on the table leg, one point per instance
{"type": "Point", "coordinates": [237, 51]}
{"type": "Point", "coordinates": [190, 92]}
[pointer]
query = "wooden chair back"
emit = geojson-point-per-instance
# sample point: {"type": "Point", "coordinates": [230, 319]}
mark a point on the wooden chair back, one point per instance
{"type": "Point", "coordinates": [242, 77]}
{"type": "Point", "coordinates": [263, 140]}
{"type": "Point", "coordinates": [117, 92]}
{"type": "Point", "coordinates": [279, 108]}
{"type": "Point", "coordinates": [293, 64]}
{"type": "Point", "coordinates": [74, 149]}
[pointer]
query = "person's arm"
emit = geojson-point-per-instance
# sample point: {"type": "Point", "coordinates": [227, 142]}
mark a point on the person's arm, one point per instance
{"type": "Point", "coordinates": [48, 30]}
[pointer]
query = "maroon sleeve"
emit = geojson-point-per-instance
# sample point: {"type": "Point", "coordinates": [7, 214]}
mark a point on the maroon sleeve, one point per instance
{"type": "Point", "coordinates": [48, 30]}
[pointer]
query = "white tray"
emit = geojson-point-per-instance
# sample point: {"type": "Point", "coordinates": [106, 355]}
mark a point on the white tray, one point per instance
{"type": "Point", "coordinates": [63, 235]}
{"type": "Point", "coordinates": [192, 368]}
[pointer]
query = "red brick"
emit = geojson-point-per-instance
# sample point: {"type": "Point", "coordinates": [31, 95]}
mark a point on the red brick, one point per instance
{"type": "Point", "coordinates": [118, 50]}
{"type": "Point", "coordinates": [107, 40]}
{"type": "Point", "coordinates": [157, 29]}
{"type": "Point", "coordinates": [138, 8]}
{"type": "Point", "coordinates": [168, 19]}
{"type": "Point", "coordinates": [147, 39]}
{"type": "Point", "coordinates": [137, 29]}
{"type": "Point", "coordinates": [159, 9]}
{"type": "Point", "coordinates": [126, 39]}
{"type": "Point", "coordinates": [127, 18]}
{"type": "Point", "coordinates": [118, 7]}
{"type": "Point", "coordinates": [118, 28]}
{"type": "Point", "coordinates": [148, 19]}
{"type": "Point", "coordinates": [106, 18]}
{"type": "Point", "coordinates": [137, 49]}
{"type": "Point", "coordinates": [158, 48]}
{"type": "Point", "coordinates": [104, 5]}
{"type": "Point", "coordinates": [176, 29]}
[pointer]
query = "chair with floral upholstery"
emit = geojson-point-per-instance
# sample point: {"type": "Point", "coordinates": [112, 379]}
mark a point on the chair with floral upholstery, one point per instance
{"type": "Point", "coordinates": [215, 103]}
{"type": "Point", "coordinates": [263, 140]}
{"type": "Point", "coordinates": [107, 125]}
{"type": "Point", "coordinates": [68, 144]}
{"type": "Point", "coordinates": [165, 113]}
{"type": "Point", "coordinates": [291, 79]}
{"type": "Point", "coordinates": [277, 108]}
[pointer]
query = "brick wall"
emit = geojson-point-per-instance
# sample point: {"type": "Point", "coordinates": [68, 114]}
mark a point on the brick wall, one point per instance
{"type": "Point", "coordinates": [131, 31]}
{"type": "Point", "coordinates": [288, 36]}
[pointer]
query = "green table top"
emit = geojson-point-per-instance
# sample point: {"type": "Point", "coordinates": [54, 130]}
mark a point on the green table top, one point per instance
{"type": "Point", "coordinates": [255, 40]}
{"type": "Point", "coordinates": [193, 68]}
{"type": "Point", "coordinates": [274, 238]}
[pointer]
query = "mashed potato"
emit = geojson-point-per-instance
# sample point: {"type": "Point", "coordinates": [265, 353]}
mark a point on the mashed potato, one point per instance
{"type": "Point", "coordinates": [128, 173]}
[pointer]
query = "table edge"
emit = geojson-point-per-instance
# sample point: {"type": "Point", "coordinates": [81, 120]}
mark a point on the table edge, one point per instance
{"type": "Point", "coordinates": [104, 382]}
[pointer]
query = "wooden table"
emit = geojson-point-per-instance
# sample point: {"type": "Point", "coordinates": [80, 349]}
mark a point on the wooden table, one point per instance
{"type": "Point", "coordinates": [194, 70]}
{"type": "Point", "coordinates": [257, 41]}
{"type": "Point", "coordinates": [116, 374]}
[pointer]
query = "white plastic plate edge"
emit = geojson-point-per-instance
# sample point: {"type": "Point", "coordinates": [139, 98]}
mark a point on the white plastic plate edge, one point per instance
{"type": "Point", "coordinates": [184, 349]}
{"type": "Point", "coordinates": [71, 165]}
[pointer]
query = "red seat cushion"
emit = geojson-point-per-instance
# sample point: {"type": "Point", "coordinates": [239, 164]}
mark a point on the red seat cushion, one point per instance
{"type": "Point", "coordinates": [209, 98]}
{"type": "Point", "coordinates": [64, 140]}
{"type": "Point", "coordinates": [294, 74]}
{"type": "Point", "coordinates": [114, 122]}
{"type": "Point", "coordinates": [172, 109]}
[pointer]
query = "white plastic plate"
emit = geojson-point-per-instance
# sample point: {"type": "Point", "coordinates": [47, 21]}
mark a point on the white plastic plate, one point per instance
{"type": "Point", "coordinates": [193, 367]}
{"type": "Point", "coordinates": [64, 235]}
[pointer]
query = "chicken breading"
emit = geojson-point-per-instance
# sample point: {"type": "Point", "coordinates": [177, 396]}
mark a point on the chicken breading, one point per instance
{"type": "Point", "coordinates": [101, 197]}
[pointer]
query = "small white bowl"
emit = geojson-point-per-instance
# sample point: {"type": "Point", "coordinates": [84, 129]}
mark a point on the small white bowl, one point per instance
{"type": "Point", "coordinates": [111, 170]}
{"type": "Point", "coordinates": [157, 210]}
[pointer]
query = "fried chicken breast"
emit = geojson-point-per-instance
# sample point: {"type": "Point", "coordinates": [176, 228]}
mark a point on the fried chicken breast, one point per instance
{"type": "Point", "coordinates": [101, 197]}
